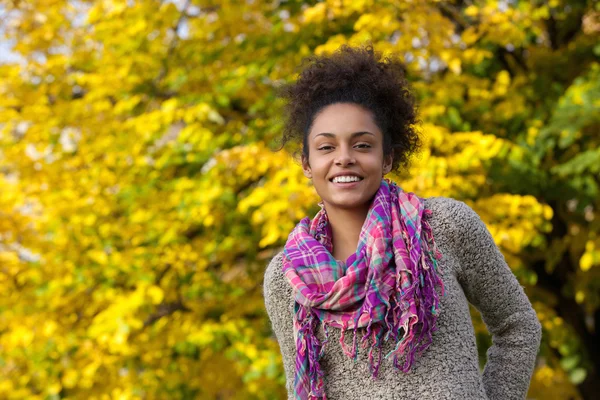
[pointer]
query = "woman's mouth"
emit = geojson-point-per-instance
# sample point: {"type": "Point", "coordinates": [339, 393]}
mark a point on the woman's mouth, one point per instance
{"type": "Point", "coordinates": [347, 181]}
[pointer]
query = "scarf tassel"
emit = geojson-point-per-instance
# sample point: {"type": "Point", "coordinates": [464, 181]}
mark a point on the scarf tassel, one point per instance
{"type": "Point", "coordinates": [309, 350]}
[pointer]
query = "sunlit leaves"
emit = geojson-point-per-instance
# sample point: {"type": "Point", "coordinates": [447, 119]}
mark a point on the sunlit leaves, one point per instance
{"type": "Point", "coordinates": [141, 200]}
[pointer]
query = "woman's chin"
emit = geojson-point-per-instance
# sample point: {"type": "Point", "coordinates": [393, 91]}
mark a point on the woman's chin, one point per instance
{"type": "Point", "coordinates": [347, 203]}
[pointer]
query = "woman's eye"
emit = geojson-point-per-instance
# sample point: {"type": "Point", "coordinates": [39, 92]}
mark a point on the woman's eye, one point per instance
{"type": "Point", "coordinates": [363, 146]}
{"type": "Point", "coordinates": [325, 148]}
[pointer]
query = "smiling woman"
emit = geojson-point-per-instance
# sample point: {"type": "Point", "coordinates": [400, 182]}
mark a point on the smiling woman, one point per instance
{"type": "Point", "coordinates": [344, 161]}
{"type": "Point", "coordinates": [389, 266]}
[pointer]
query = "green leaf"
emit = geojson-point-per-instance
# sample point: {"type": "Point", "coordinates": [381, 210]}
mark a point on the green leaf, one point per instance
{"type": "Point", "coordinates": [577, 376]}
{"type": "Point", "coordinates": [570, 362]}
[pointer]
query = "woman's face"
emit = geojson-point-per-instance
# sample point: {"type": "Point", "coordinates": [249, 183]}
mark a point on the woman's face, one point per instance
{"type": "Point", "coordinates": [345, 161]}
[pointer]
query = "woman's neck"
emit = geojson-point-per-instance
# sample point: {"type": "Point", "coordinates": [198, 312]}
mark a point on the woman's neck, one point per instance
{"type": "Point", "coordinates": [345, 227]}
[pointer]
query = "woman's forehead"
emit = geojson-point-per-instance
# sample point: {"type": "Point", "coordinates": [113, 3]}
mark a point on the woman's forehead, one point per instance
{"type": "Point", "coordinates": [344, 120]}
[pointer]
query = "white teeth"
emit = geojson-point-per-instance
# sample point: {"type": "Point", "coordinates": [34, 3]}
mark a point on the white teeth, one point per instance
{"type": "Point", "coordinates": [346, 179]}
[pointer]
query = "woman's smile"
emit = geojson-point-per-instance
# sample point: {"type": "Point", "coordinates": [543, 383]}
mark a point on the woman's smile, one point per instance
{"type": "Point", "coordinates": [346, 182]}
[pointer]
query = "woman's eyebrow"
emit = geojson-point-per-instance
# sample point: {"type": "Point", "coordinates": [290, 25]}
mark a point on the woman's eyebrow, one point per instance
{"type": "Point", "coordinates": [355, 134]}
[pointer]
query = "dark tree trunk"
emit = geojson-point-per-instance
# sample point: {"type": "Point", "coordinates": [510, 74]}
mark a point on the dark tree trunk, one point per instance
{"type": "Point", "coordinates": [568, 309]}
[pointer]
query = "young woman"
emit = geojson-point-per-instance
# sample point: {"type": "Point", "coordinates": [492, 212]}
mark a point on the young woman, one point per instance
{"type": "Point", "coordinates": [387, 274]}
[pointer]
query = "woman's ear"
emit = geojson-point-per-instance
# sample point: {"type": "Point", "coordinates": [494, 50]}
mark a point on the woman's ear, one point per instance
{"type": "Point", "coordinates": [306, 167]}
{"type": "Point", "coordinates": [387, 163]}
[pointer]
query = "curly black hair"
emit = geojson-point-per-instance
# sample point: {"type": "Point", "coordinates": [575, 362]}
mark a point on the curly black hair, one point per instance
{"type": "Point", "coordinates": [354, 75]}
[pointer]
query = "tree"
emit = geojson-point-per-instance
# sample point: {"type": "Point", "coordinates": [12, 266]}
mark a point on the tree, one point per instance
{"type": "Point", "coordinates": [141, 200]}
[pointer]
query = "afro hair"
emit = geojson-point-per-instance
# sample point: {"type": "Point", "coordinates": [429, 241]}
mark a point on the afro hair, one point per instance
{"type": "Point", "coordinates": [354, 75]}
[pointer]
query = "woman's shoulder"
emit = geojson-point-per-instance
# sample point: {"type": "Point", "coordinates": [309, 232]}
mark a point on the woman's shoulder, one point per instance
{"type": "Point", "coordinates": [277, 293]}
{"type": "Point", "coordinates": [274, 280]}
{"type": "Point", "coordinates": [452, 220]}
{"type": "Point", "coordinates": [274, 267]}
{"type": "Point", "coordinates": [449, 209]}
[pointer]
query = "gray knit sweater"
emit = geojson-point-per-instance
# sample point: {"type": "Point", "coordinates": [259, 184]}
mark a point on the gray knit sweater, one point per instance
{"type": "Point", "coordinates": [474, 271]}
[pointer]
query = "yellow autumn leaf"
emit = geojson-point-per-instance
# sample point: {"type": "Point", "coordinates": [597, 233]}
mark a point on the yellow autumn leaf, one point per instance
{"type": "Point", "coordinates": [155, 293]}
{"type": "Point", "coordinates": [586, 261]}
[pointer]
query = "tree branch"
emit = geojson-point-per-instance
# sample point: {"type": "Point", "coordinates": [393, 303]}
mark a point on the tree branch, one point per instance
{"type": "Point", "coordinates": [165, 309]}
{"type": "Point", "coordinates": [453, 14]}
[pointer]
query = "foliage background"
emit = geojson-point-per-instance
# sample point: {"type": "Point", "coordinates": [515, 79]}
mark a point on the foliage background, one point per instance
{"type": "Point", "coordinates": [140, 200]}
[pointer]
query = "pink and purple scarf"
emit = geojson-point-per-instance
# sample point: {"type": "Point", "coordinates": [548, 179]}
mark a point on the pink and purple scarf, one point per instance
{"type": "Point", "coordinates": [387, 286]}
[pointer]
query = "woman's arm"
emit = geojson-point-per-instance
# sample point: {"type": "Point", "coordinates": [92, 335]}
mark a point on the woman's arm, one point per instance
{"type": "Point", "coordinates": [492, 288]}
{"type": "Point", "coordinates": [279, 305]}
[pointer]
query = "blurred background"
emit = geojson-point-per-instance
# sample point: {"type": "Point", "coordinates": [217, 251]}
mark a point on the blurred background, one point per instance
{"type": "Point", "coordinates": [140, 200]}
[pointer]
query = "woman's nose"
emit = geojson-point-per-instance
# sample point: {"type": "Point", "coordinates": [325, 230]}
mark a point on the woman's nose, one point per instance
{"type": "Point", "coordinates": [344, 157]}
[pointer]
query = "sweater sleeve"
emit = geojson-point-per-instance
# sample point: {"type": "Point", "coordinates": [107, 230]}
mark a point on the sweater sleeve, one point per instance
{"type": "Point", "coordinates": [492, 288]}
{"type": "Point", "coordinates": [280, 309]}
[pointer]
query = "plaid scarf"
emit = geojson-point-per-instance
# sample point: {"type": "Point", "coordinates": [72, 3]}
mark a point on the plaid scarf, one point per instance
{"type": "Point", "coordinates": [387, 286]}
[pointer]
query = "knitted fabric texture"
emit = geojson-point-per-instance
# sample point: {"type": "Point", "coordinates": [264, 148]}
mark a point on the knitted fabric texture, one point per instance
{"type": "Point", "coordinates": [388, 286]}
